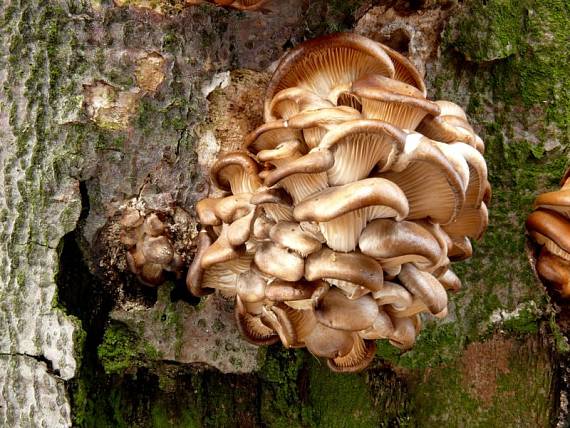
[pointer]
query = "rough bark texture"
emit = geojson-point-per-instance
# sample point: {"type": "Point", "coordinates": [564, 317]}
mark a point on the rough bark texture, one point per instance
{"type": "Point", "coordinates": [100, 104]}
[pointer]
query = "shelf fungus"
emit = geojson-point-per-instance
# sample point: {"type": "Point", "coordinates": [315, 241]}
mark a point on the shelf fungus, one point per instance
{"type": "Point", "coordinates": [549, 227]}
{"type": "Point", "coordinates": [344, 210]}
{"type": "Point", "coordinates": [151, 250]}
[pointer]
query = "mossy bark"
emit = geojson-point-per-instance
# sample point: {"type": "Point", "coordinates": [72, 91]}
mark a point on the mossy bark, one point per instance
{"type": "Point", "coordinates": [100, 103]}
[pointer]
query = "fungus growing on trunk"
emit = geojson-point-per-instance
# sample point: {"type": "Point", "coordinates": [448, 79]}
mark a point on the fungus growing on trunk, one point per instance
{"type": "Point", "coordinates": [348, 217]}
{"type": "Point", "coordinates": [549, 227]}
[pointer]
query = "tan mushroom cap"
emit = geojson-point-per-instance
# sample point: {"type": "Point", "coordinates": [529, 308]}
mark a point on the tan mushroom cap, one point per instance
{"type": "Point", "coordinates": [224, 276]}
{"type": "Point", "coordinates": [471, 222]}
{"type": "Point", "coordinates": [241, 229]}
{"type": "Point", "coordinates": [360, 145]}
{"type": "Point", "coordinates": [232, 207]}
{"type": "Point", "coordinates": [390, 101]}
{"type": "Point", "coordinates": [322, 64]}
{"type": "Point", "coordinates": [381, 328]}
{"type": "Point", "coordinates": [478, 184]}
{"type": "Point", "coordinates": [251, 327]}
{"type": "Point", "coordinates": [151, 274]}
{"type": "Point", "coordinates": [450, 280]}
{"type": "Point", "coordinates": [290, 235]}
{"type": "Point", "coordinates": [405, 71]}
{"type": "Point", "coordinates": [395, 243]}
{"type": "Point", "coordinates": [558, 201]}
{"type": "Point", "coordinates": [424, 286]}
{"type": "Point", "coordinates": [131, 218]}
{"type": "Point", "coordinates": [261, 227]}
{"type": "Point", "coordinates": [251, 286]}
{"type": "Point", "coordinates": [461, 248]}
{"type": "Point", "coordinates": [195, 271]}
{"type": "Point", "coordinates": [353, 267]}
{"type": "Point", "coordinates": [337, 311]}
{"type": "Point", "coordinates": [283, 291]}
{"type": "Point", "coordinates": [270, 135]}
{"type": "Point", "coordinates": [313, 162]}
{"type": "Point", "coordinates": [153, 226]}
{"type": "Point", "coordinates": [235, 172]}
{"type": "Point", "coordinates": [333, 202]}
{"type": "Point", "coordinates": [405, 332]}
{"type": "Point", "coordinates": [359, 357]}
{"type": "Point", "coordinates": [157, 250]}
{"type": "Point", "coordinates": [328, 342]}
{"type": "Point", "coordinates": [277, 318]}
{"type": "Point", "coordinates": [295, 100]}
{"type": "Point", "coordinates": [555, 270]}
{"type": "Point", "coordinates": [206, 210]}
{"type": "Point", "coordinates": [449, 129]}
{"type": "Point", "coordinates": [220, 251]}
{"type": "Point", "coordinates": [433, 188]}
{"type": "Point", "coordinates": [279, 262]}
{"type": "Point", "coordinates": [393, 294]}
{"type": "Point", "coordinates": [551, 230]}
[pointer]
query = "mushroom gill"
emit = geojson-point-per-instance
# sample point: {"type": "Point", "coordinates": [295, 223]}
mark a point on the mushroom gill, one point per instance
{"type": "Point", "coordinates": [343, 217]}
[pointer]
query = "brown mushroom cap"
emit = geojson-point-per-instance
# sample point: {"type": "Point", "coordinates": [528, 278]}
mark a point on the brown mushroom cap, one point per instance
{"type": "Point", "coordinates": [551, 230]}
{"type": "Point", "coordinates": [354, 267]}
{"type": "Point", "coordinates": [278, 262]}
{"type": "Point", "coordinates": [460, 249]}
{"type": "Point", "coordinates": [393, 294]}
{"type": "Point", "coordinates": [233, 207]}
{"type": "Point", "coordinates": [381, 328]}
{"type": "Point", "coordinates": [283, 291]}
{"type": "Point", "coordinates": [195, 271]}
{"type": "Point", "coordinates": [157, 250]}
{"type": "Point", "coordinates": [206, 210]}
{"type": "Point", "coordinates": [390, 101]}
{"type": "Point", "coordinates": [555, 270]}
{"type": "Point", "coordinates": [290, 235]}
{"type": "Point", "coordinates": [295, 100]}
{"type": "Point", "coordinates": [471, 222]}
{"type": "Point", "coordinates": [432, 187]}
{"type": "Point", "coordinates": [220, 251]}
{"type": "Point", "coordinates": [328, 342]}
{"type": "Point", "coordinates": [313, 162]}
{"type": "Point", "coordinates": [394, 243]}
{"type": "Point", "coordinates": [558, 201]}
{"type": "Point", "coordinates": [251, 286]}
{"type": "Point", "coordinates": [424, 286]}
{"type": "Point", "coordinates": [324, 63]}
{"type": "Point", "coordinates": [360, 145]}
{"type": "Point", "coordinates": [235, 172]}
{"type": "Point", "coordinates": [337, 311]}
{"type": "Point", "coordinates": [404, 335]}
{"type": "Point", "coordinates": [151, 274]}
{"type": "Point", "coordinates": [449, 280]}
{"type": "Point", "coordinates": [359, 357]}
{"type": "Point", "coordinates": [251, 327]}
{"type": "Point", "coordinates": [405, 71]}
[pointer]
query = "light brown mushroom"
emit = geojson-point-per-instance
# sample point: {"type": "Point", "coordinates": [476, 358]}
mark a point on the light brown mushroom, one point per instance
{"type": "Point", "coordinates": [359, 357]}
{"type": "Point", "coordinates": [336, 311]}
{"type": "Point", "coordinates": [552, 230]}
{"type": "Point", "coordinates": [555, 270]}
{"type": "Point", "coordinates": [558, 201]}
{"type": "Point", "coordinates": [328, 342]}
{"type": "Point", "coordinates": [252, 328]}
{"type": "Point", "coordinates": [290, 235]}
{"type": "Point", "coordinates": [195, 272]}
{"type": "Point", "coordinates": [424, 286]}
{"type": "Point", "coordinates": [277, 261]}
{"type": "Point", "coordinates": [235, 172]}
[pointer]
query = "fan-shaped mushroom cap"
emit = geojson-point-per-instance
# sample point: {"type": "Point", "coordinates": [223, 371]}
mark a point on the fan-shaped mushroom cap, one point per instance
{"type": "Point", "coordinates": [313, 162]}
{"type": "Point", "coordinates": [405, 71]}
{"type": "Point", "coordinates": [292, 101]}
{"type": "Point", "coordinates": [270, 135]}
{"type": "Point", "coordinates": [404, 335]}
{"type": "Point", "coordinates": [278, 262]}
{"type": "Point", "coordinates": [232, 207]}
{"type": "Point", "coordinates": [450, 280]}
{"type": "Point", "coordinates": [224, 276]}
{"type": "Point", "coordinates": [551, 230]}
{"type": "Point", "coordinates": [206, 210]}
{"type": "Point", "coordinates": [251, 327]}
{"type": "Point", "coordinates": [277, 318]}
{"type": "Point", "coordinates": [220, 251]}
{"type": "Point", "coordinates": [461, 248]}
{"type": "Point", "coordinates": [432, 187]}
{"type": "Point", "coordinates": [131, 218]}
{"type": "Point", "coordinates": [290, 235]}
{"type": "Point", "coordinates": [381, 328]}
{"type": "Point", "coordinates": [275, 202]}
{"type": "Point", "coordinates": [195, 271]}
{"type": "Point", "coordinates": [283, 291]}
{"type": "Point", "coordinates": [251, 286]}
{"type": "Point", "coordinates": [478, 185]}
{"type": "Point", "coordinates": [284, 150]}
{"type": "Point", "coordinates": [393, 294]}
{"type": "Point", "coordinates": [556, 270]}
{"type": "Point", "coordinates": [471, 222]}
{"type": "Point", "coordinates": [360, 145]}
{"type": "Point", "coordinates": [353, 267]}
{"type": "Point", "coordinates": [424, 286]}
{"type": "Point", "coordinates": [391, 101]}
{"type": "Point", "coordinates": [335, 310]}
{"type": "Point", "coordinates": [328, 342]}
{"type": "Point", "coordinates": [359, 357]}
{"type": "Point", "coordinates": [158, 250]}
{"type": "Point", "coordinates": [153, 226]}
{"type": "Point", "coordinates": [394, 243]}
{"type": "Point", "coordinates": [324, 63]}
{"type": "Point", "coordinates": [558, 201]}
{"type": "Point", "coordinates": [235, 171]}
{"type": "Point", "coordinates": [261, 227]}
{"type": "Point", "coordinates": [240, 230]}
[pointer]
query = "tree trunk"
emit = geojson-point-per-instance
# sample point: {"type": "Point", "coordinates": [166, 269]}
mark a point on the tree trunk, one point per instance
{"type": "Point", "coordinates": [104, 104]}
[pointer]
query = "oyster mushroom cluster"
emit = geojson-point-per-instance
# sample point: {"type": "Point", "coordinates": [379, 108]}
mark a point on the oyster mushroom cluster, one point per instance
{"type": "Point", "coordinates": [150, 252]}
{"type": "Point", "coordinates": [344, 209]}
{"type": "Point", "coordinates": [549, 227]}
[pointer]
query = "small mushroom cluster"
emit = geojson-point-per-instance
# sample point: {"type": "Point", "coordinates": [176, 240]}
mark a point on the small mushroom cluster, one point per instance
{"type": "Point", "coordinates": [549, 227]}
{"type": "Point", "coordinates": [345, 208]}
{"type": "Point", "coordinates": [150, 252]}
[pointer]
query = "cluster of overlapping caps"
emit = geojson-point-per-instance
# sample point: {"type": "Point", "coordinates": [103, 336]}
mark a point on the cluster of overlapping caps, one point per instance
{"type": "Point", "coordinates": [549, 227]}
{"type": "Point", "coordinates": [345, 207]}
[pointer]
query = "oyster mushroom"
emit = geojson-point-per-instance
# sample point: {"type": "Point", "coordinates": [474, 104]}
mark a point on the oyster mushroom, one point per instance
{"type": "Point", "coordinates": [551, 230]}
{"type": "Point", "coordinates": [235, 172]}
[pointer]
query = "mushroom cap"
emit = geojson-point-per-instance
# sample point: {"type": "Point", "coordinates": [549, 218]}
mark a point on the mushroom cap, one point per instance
{"type": "Point", "coordinates": [277, 318]}
{"type": "Point", "coordinates": [283, 291]}
{"type": "Point", "coordinates": [157, 249]}
{"type": "Point", "coordinates": [328, 342]}
{"type": "Point", "coordinates": [393, 294]}
{"type": "Point", "coordinates": [394, 243]}
{"type": "Point", "coordinates": [360, 145]}
{"type": "Point", "coordinates": [357, 268]}
{"type": "Point", "coordinates": [251, 286]}
{"type": "Point", "coordinates": [251, 327]}
{"type": "Point", "coordinates": [291, 101]}
{"type": "Point", "coordinates": [404, 335]}
{"type": "Point", "coordinates": [324, 117]}
{"type": "Point", "coordinates": [153, 226]}
{"type": "Point", "coordinates": [424, 286]}
{"type": "Point", "coordinates": [151, 274]}
{"type": "Point", "coordinates": [313, 162]}
{"type": "Point", "coordinates": [321, 64]}
{"type": "Point", "coordinates": [405, 71]}
{"type": "Point", "coordinates": [220, 251]}
{"type": "Point", "coordinates": [450, 280]}
{"type": "Point", "coordinates": [337, 311]}
{"type": "Point", "coordinates": [272, 196]}
{"type": "Point", "coordinates": [240, 230]}
{"type": "Point", "coordinates": [290, 235]}
{"type": "Point", "coordinates": [333, 202]}
{"type": "Point", "coordinates": [552, 230]}
{"type": "Point", "coordinates": [460, 249]}
{"type": "Point", "coordinates": [278, 262]}
{"type": "Point", "coordinates": [206, 210]}
{"type": "Point", "coordinates": [471, 222]}
{"type": "Point", "coordinates": [381, 328]}
{"type": "Point", "coordinates": [558, 201]}
{"type": "Point", "coordinates": [359, 357]}
{"type": "Point", "coordinates": [432, 187]}
{"type": "Point", "coordinates": [131, 218]}
{"type": "Point", "coordinates": [555, 270]}
{"type": "Point", "coordinates": [195, 271]}
{"type": "Point", "coordinates": [270, 135]}
{"type": "Point", "coordinates": [235, 166]}
{"type": "Point", "coordinates": [233, 207]}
